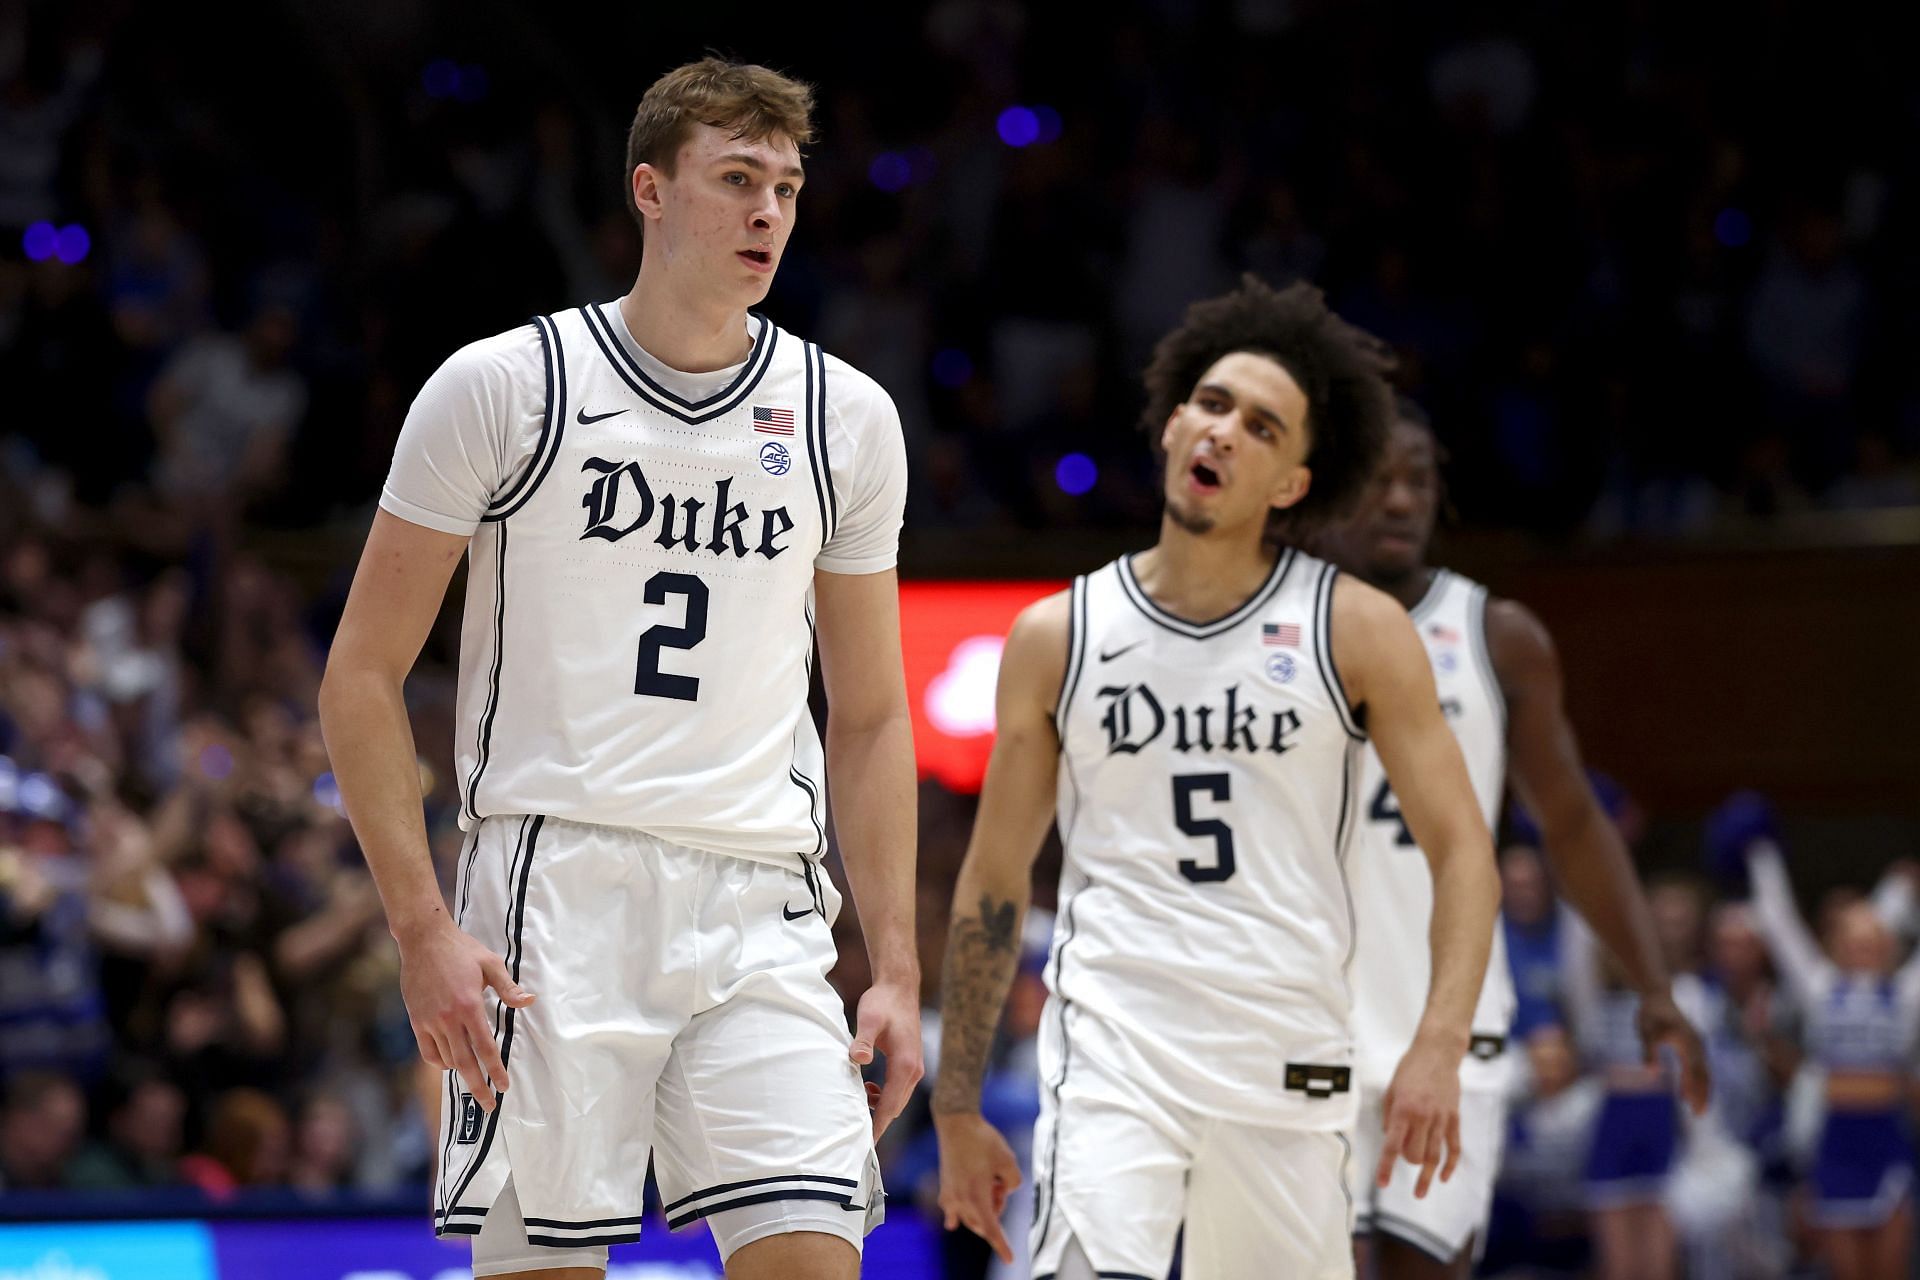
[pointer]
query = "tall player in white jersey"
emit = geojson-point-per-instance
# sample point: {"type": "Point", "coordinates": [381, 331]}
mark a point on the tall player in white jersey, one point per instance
{"type": "Point", "coordinates": [1193, 716]}
{"type": "Point", "coordinates": [1499, 685]}
{"type": "Point", "coordinates": [661, 498]}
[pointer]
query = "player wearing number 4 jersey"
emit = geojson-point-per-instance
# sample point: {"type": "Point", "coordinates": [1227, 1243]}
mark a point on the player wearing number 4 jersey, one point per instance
{"type": "Point", "coordinates": [1194, 715]}
{"type": "Point", "coordinates": [1499, 689]}
{"type": "Point", "coordinates": [661, 499]}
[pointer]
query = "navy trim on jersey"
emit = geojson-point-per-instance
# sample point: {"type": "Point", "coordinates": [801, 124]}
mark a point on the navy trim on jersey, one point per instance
{"type": "Point", "coordinates": [689, 411]}
{"type": "Point", "coordinates": [1044, 1218]}
{"type": "Point", "coordinates": [1344, 827]}
{"type": "Point", "coordinates": [553, 426]}
{"type": "Point", "coordinates": [813, 806]}
{"type": "Point", "coordinates": [742, 382]}
{"type": "Point", "coordinates": [816, 1192]}
{"type": "Point", "coordinates": [582, 1242]}
{"type": "Point", "coordinates": [721, 1187]}
{"type": "Point", "coordinates": [815, 810]}
{"type": "Point", "coordinates": [1105, 1275]}
{"type": "Point", "coordinates": [1323, 652]}
{"type": "Point", "coordinates": [814, 459]}
{"type": "Point", "coordinates": [597, 1232]}
{"type": "Point", "coordinates": [1483, 656]}
{"type": "Point", "coordinates": [515, 929]}
{"type": "Point", "coordinates": [1173, 622]}
{"type": "Point", "coordinates": [1076, 654]}
{"type": "Point", "coordinates": [832, 522]}
{"type": "Point", "coordinates": [484, 747]}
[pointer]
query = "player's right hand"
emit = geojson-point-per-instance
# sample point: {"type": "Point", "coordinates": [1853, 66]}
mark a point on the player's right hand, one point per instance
{"type": "Point", "coordinates": [1422, 1119]}
{"type": "Point", "coordinates": [442, 976]}
{"type": "Point", "coordinates": [977, 1174]}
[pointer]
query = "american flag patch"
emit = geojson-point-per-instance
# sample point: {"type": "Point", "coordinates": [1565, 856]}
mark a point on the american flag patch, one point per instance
{"type": "Point", "coordinates": [772, 422]}
{"type": "Point", "coordinates": [1286, 634]}
{"type": "Point", "coordinates": [1443, 633]}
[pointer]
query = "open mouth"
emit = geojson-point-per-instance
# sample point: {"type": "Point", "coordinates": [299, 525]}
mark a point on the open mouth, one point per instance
{"type": "Point", "coordinates": [1204, 477]}
{"type": "Point", "coordinates": [759, 258]}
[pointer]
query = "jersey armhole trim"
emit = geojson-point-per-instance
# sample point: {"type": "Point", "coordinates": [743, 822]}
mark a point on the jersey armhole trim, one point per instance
{"type": "Point", "coordinates": [1076, 655]}
{"type": "Point", "coordinates": [553, 425]}
{"type": "Point", "coordinates": [1323, 653]}
{"type": "Point", "coordinates": [1483, 656]}
{"type": "Point", "coordinates": [814, 416]}
{"type": "Point", "coordinates": [483, 748]}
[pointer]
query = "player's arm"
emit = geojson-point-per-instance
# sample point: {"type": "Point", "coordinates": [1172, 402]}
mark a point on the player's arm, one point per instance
{"type": "Point", "coordinates": [869, 744]}
{"type": "Point", "coordinates": [1589, 859]}
{"type": "Point", "coordinates": [977, 1169]}
{"type": "Point", "coordinates": [395, 597]}
{"type": "Point", "coordinates": [1387, 671]}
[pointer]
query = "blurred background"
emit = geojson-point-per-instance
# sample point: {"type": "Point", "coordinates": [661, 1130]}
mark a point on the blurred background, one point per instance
{"type": "Point", "coordinates": [1651, 269]}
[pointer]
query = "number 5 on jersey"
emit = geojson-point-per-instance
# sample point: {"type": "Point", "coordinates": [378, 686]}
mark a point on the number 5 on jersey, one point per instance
{"type": "Point", "coordinates": [1218, 786]}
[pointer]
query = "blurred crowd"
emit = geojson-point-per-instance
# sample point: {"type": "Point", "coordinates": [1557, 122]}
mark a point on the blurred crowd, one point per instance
{"type": "Point", "coordinates": [1641, 291]}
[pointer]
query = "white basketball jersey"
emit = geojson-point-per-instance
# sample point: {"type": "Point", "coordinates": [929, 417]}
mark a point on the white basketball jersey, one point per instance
{"type": "Point", "coordinates": [1392, 887]}
{"type": "Point", "coordinates": [1207, 790]}
{"type": "Point", "coordinates": [639, 618]}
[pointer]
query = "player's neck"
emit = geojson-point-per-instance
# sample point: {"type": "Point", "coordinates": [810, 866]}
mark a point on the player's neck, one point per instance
{"type": "Point", "coordinates": [681, 329]}
{"type": "Point", "coordinates": [1408, 588]}
{"type": "Point", "coordinates": [1200, 576]}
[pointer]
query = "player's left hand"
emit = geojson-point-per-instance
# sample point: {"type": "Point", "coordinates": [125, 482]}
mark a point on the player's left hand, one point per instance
{"type": "Point", "coordinates": [888, 1022]}
{"type": "Point", "coordinates": [1423, 1114]}
{"type": "Point", "coordinates": [1662, 1023]}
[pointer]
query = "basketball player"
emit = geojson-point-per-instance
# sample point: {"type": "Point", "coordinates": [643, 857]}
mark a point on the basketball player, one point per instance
{"type": "Point", "coordinates": [1499, 687]}
{"type": "Point", "coordinates": [661, 499]}
{"type": "Point", "coordinates": [1194, 716]}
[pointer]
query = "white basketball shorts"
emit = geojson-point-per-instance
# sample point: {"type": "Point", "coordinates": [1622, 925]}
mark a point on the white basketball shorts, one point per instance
{"type": "Point", "coordinates": [1454, 1212]}
{"type": "Point", "coordinates": [682, 1011]}
{"type": "Point", "coordinates": [1118, 1168]}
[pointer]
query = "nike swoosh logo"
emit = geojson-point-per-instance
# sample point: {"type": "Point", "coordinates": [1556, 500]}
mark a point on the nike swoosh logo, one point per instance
{"type": "Point", "coordinates": [585, 420]}
{"type": "Point", "coordinates": [1109, 657]}
{"type": "Point", "coordinates": [791, 914]}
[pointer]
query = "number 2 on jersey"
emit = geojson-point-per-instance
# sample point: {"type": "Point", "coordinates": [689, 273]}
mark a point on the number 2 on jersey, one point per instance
{"type": "Point", "coordinates": [1217, 785]}
{"type": "Point", "coordinates": [1386, 809]}
{"type": "Point", "coordinates": [648, 677]}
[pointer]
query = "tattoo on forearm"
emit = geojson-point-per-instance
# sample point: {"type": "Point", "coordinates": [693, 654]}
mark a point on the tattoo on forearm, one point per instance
{"type": "Point", "coordinates": [982, 950]}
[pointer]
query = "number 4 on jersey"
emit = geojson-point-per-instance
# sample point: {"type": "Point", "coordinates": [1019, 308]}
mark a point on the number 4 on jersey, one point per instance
{"type": "Point", "coordinates": [1386, 809]}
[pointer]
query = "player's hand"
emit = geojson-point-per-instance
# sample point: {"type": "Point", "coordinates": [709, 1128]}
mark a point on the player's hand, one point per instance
{"type": "Point", "coordinates": [977, 1174]}
{"type": "Point", "coordinates": [888, 1022]}
{"type": "Point", "coordinates": [1423, 1114]}
{"type": "Point", "coordinates": [442, 976]}
{"type": "Point", "coordinates": [1662, 1023]}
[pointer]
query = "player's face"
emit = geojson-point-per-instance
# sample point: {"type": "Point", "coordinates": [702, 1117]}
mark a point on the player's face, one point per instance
{"type": "Point", "coordinates": [726, 212]}
{"type": "Point", "coordinates": [1237, 448]}
{"type": "Point", "coordinates": [1387, 535]}
{"type": "Point", "coordinates": [1862, 943]}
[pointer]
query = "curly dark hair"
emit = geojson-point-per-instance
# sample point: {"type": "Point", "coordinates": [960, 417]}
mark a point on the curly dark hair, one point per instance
{"type": "Point", "coordinates": [1341, 369]}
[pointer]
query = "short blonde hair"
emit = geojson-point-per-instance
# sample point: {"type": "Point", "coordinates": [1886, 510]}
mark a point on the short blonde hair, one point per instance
{"type": "Point", "coordinates": [755, 102]}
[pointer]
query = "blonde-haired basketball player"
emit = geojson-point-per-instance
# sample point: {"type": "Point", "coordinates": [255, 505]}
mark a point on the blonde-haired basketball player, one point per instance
{"type": "Point", "coordinates": [662, 499]}
{"type": "Point", "coordinates": [1194, 716]}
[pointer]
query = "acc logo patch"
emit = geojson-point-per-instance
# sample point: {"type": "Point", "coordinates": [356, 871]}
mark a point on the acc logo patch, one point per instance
{"type": "Point", "coordinates": [1282, 667]}
{"type": "Point", "coordinates": [775, 458]}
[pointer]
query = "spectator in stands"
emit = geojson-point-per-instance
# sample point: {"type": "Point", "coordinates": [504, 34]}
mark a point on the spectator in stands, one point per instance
{"type": "Point", "coordinates": [43, 1117]}
{"type": "Point", "coordinates": [145, 1134]}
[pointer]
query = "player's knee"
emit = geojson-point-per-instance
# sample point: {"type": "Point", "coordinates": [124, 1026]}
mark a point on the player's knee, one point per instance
{"type": "Point", "coordinates": [788, 1251]}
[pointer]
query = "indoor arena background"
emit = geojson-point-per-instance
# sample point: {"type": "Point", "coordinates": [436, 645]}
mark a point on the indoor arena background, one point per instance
{"type": "Point", "coordinates": [1651, 269]}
